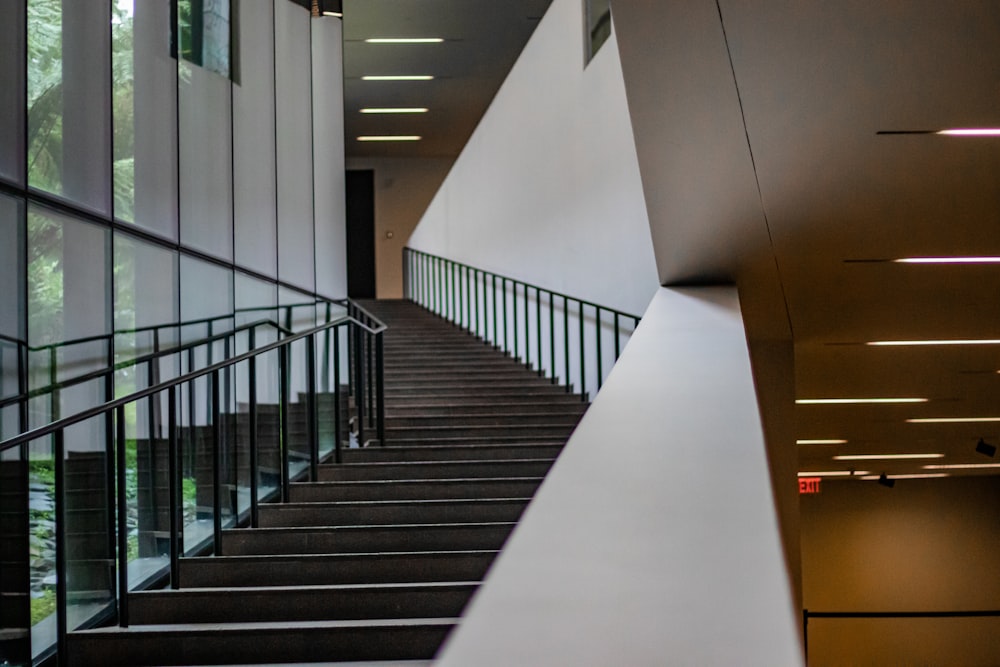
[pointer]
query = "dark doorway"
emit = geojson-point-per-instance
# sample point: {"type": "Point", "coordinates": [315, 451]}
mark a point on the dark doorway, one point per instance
{"type": "Point", "coordinates": [361, 234]}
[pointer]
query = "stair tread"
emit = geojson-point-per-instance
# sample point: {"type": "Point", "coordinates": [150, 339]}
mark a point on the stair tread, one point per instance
{"type": "Point", "coordinates": [261, 626]}
{"type": "Point", "coordinates": [206, 591]}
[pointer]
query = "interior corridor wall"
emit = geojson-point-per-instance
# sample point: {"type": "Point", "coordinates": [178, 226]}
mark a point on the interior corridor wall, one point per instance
{"type": "Point", "coordinates": [547, 189]}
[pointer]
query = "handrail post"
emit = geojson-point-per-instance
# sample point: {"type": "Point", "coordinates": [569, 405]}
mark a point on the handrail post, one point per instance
{"type": "Point", "coordinates": [173, 488]}
{"type": "Point", "coordinates": [566, 343]}
{"type": "Point", "coordinates": [336, 394]}
{"type": "Point", "coordinates": [59, 446]}
{"type": "Point", "coordinates": [600, 369]}
{"type": "Point", "coordinates": [583, 364]}
{"type": "Point", "coordinates": [216, 464]}
{"type": "Point", "coordinates": [513, 298]}
{"type": "Point", "coordinates": [380, 388]}
{"type": "Point", "coordinates": [120, 446]}
{"type": "Point", "coordinates": [312, 403]}
{"type": "Point", "coordinates": [283, 390]}
{"type": "Point", "coordinates": [538, 330]}
{"type": "Point", "coordinates": [359, 386]}
{"type": "Point", "coordinates": [252, 419]}
{"type": "Point", "coordinates": [552, 334]}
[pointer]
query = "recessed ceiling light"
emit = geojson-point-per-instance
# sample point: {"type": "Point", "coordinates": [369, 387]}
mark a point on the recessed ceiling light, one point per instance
{"type": "Point", "coordinates": [830, 441]}
{"type": "Point", "coordinates": [953, 420]}
{"type": "Point", "coordinates": [949, 260]}
{"type": "Point", "coordinates": [391, 137]}
{"type": "Point", "coordinates": [398, 77]}
{"type": "Point", "coordinates": [395, 110]}
{"type": "Point", "coordinates": [960, 466]}
{"type": "Point", "coordinates": [405, 40]}
{"type": "Point", "coordinates": [845, 401]}
{"type": "Point", "coordinates": [972, 132]}
{"type": "Point", "coordinates": [885, 457]}
{"type": "Point", "coordinates": [925, 475]}
{"type": "Point", "coordinates": [835, 473]}
{"type": "Point", "coordinates": [940, 341]}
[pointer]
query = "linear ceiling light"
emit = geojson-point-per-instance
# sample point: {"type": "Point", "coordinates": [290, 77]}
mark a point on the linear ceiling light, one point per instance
{"type": "Point", "coordinates": [940, 341]}
{"type": "Point", "coordinates": [835, 473]}
{"type": "Point", "coordinates": [960, 466]}
{"type": "Point", "coordinates": [391, 137]}
{"type": "Point", "coordinates": [846, 401]}
{"type": "Point", "coordinates": [992, 259]}
{"type": "Point", "coordinates": [830, 441]}
{"type": "Point", "coordinates": [397, 77]}
{"type": "Point", "coordinates": [953, 420]}
{"type": "Point", "coordinates": [972, 132]}
{"type": "Point", "coordinates": [395, 110]}
{"type": "Point", "coordinates": [405, 40]}
{"type": "Point", "coordinates": [885, 457]}
{"type": "Point", "coordinates": [925, 475]}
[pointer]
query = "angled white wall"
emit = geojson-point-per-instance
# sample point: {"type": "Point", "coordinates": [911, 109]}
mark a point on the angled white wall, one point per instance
{"type": "Point", "coordinates": [654, 539]}
{"type": "Point", "coordinates": [547, 189]}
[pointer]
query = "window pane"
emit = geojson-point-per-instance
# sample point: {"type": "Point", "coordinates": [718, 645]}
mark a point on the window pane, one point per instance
{"type": "Point", "coordinates": [12, 83]}
{"type": "Point", "coordinates": [145, 88]}
{"type": "Point", "coordinates": [69, 134]}
{"type": "Point", "coordinates": [12, 313]}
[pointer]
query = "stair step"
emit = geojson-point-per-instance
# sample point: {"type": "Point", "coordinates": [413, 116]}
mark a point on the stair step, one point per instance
{"type": "Point", "coordinates": [434, 470]}
{"type": "Point", "coordinates": [235, 643]}
{"type": "Point", "coordinates": [480, 408]}
{"type": "Point", "coordinates": [324, 569]}
{"type": "Point", "coordinates": [300, 603]}
{"type": "Point", "coordinates": [474, 440]}
{"type": "Point", "coordinates": [376, 512]}
{"type": "Point", "coordinates": [495, 419]}
{"type": "Point", "coordinates": [507, 487]}
{"type": "Point", "coordinates": [394, 453]}
{"type": "Point", "coordinates": [395, 433]}
{"type": "Point", "coordinates": [366, 539]}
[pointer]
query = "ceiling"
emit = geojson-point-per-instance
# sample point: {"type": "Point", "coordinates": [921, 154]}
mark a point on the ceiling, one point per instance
{"type": "Point", "coordinates": [763, 140]}
{"type": "Point", "coordinates": [482, 39]}
{"type": "Point", "coordinates": [784, 181]}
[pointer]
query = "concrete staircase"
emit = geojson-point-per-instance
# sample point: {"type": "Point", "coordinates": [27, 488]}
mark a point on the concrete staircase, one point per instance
{"type": "Point", "coordinates": [376, 559]}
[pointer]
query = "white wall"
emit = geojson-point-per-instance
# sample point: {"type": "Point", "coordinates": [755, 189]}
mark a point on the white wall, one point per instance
{"type": "Point", "coordinates": [665, 548]}
{"type": "Point", "coordinates": [547, 189]}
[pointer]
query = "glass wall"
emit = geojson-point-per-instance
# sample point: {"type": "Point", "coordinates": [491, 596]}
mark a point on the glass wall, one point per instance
{"type": "Point", "coordinates": [140, 170]}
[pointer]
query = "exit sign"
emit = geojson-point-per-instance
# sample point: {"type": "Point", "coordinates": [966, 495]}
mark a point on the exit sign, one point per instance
{"type": "Point", "coordinates": [809, 484]}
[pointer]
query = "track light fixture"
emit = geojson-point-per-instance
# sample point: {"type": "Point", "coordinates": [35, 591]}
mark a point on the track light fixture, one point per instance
{"type": "Point", "coordinates": [884, 480]}
{"type": "Point", "coordinates": [985, 448]}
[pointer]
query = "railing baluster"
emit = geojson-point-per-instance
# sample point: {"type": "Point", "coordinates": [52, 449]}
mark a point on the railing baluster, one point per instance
{"type": "Point", "coordinates": [527, 332]}
{"type": "Point", "coordinates": [599, 365]}
{"type": "Point", "coordinates": [538, 329]}
{"type": "Point", "coordinates": [59, 447]}
{"type": "Point", "coordinates": [120, 445]}
{"type": "Point", "coordinates": [312, 426]}
{"type": "Point", "coordinates": [380, 391]}
{"type": "Point", "coordinates": [283, 390]}
{"type": "Point", "coordinates": [569, 384]}
{"type": "Point", "coordinates": [359, 396]}
{"type": "Point", "coordinates": [618, 343]}
{"type": "Point", "coordinates": [174, 488]}
{"type": "Point", "coordinates": [495, 337]}
{"type": "Point", "coordinates": [513, 292]}
{"type": "Point", "coordinates": [217, 463]}
{"type": "Point", "coordinates": [583, 369]}
{"type": "Point", "coordinates": [552, 334]}
{"type": "Point", "coordinates": [336, 394]}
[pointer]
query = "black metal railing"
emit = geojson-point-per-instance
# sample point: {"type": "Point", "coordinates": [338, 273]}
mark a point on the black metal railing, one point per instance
{"type": "Point", "coordinates": [573, 342]}
{"type": "Point", "coordinates": [874, 615]}
{"type": "Point", "coordinates": [216, 442]}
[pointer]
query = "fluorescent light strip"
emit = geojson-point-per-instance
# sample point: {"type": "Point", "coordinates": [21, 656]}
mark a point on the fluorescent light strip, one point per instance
{"type": "Point", "coordinates": [847, 401]}
{"type": "Point", "coordinates": [948, 260]}
{"type": "Point", "coordinates": [885, 457]}
{"type": "Point", "coordinates": [943, 341]}
{"type": "Point", "coordinates": [953, 420]}
{"type": "Point", "coordinates": [405, 40]}
{"type": "Point", "coordinates": [961, 466]}
{"type": "Point", "coordinates": [391, 137]}
{"type": "Point", "coordinates": [395, 110]}
{"type": "Point", "coordinates": [972, 132]}
{"type": "Point", "coordinates": [835, 473]}
{"type": "Point", "coordinates": [338, 15]}
{"type": "Point", "coordinates": [831, 441]}
{"type": "Point", "coordinates": [925, 475]}
{"type": "Point", "coordinates": [397, 77]}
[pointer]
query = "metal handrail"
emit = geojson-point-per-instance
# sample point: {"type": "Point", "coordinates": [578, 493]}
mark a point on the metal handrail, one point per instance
{"type": "Point", "coordinates": [136, 361]}
{"type": "Point", "coordinates": [116, 444]}
{"type": "Point", "coordinates": [95, 411]}
{"type": "Point", "coordinates": [487, 304]}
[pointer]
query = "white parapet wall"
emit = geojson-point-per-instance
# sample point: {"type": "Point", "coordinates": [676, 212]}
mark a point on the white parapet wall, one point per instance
{"type": "Point", "coordinates": [654, 540]}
